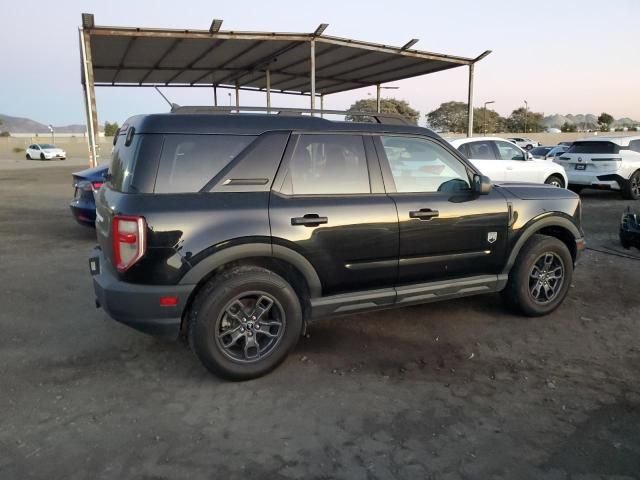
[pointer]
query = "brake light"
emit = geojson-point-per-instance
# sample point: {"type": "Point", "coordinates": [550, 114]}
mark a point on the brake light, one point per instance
{"type": "Point", "coordinates": [92, 186]}
{"type": "Point", "coordinates": [129, 240]}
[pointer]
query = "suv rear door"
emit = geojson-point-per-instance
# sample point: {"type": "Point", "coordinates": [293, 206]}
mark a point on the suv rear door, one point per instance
{"type": "Point", "coordinates": [446, 230]}
{"type": "Point", "coordinates": [328, 204]}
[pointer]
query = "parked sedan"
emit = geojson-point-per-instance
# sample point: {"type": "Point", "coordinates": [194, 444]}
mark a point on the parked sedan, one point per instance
{"type": "Point", "coordinates": [86, 183]}
{"type": "Point", "coordinates": [503, 161]}
{"type": "Point", "coordinates": [45, 151]}
{"type": "Point", "coordinates": [524, 142]}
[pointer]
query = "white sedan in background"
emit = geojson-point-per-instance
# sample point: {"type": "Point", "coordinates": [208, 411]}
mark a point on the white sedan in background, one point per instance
{"type": "Point", "coordinates": [524, 142]}
{"type": "Point", "coordinates": [502, 161]}
{"type": "Point", "coordinates": [45, 151]}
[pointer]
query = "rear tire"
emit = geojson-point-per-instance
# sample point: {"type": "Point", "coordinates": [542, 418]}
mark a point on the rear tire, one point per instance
{"type": "Point", "coordinates": [540, 278]}
{"type": "Point", "coordinates": [555, 180]}
{"type": "Point", "coordinates": [228, 332]}
{"type": "Point", "coordinates": [631, 189]}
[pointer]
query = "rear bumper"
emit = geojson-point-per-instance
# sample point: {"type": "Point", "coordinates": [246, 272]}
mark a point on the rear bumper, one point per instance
{"type": "Point", "coordinates": [83, 212]}
{"type": "Point", "coordinates": [611, 181]}
{"type": "Point", "coordinates": [138, 306]}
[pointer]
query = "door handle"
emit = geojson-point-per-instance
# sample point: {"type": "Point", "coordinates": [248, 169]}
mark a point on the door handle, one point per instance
{"type": "Point", "coordinates": [309, 220]}
{"type": "Point", "coordinates": [424, 214]}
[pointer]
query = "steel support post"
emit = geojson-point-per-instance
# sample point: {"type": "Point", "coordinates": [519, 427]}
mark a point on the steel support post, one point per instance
{"type": "Point", "coordinates": [237, 95]}
{"type": "Point", "coordinates": [470, 105]}
{"type": "Point", "coordinates": [268, 74]}
{"type": "Point", "coordinates": [89, 97]}
{"type": "Point", "coordinates": [312, 59]}
{"type": "Point", "coordinates": [378, 99]}
{"type": "Point", "coordinates": [215, 96]}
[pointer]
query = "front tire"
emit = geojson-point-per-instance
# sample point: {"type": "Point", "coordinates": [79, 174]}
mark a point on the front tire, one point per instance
{"type": "Point", "coordinates": [42, 156]}
{"type": "Point", "coordinates": [555, 180]}
{"type": "Point", "coordinates": [244, 323]}
{"type": "Point", "coordinates": [28, 157]}
{"type": "Point", "coordinates": [631, 190]}
{"type": "Point", "coordinates": [540, 279]}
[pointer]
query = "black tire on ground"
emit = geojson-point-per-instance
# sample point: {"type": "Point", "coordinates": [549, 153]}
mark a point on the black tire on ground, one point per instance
{"type": "Point", "coordinates": [631, 189]}
{"type": "Point", "coordinates": [576, 188]}
{"type": "Point", "coordinates": [555, 180]}
{"type": "Point", "coordinates": [28, 157]}
{"type": "Point", "coordinates": [528, 147]}
{"type": "Point", "coordinates": [223, 332]}
{"type": "Point", "coordinates": [526, 274]}
{"type": "Point", "coordinates": [42, 156]}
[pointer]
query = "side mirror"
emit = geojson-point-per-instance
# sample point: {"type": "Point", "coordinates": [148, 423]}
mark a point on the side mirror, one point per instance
{"type": "Point", "coordinates": [481, 184]}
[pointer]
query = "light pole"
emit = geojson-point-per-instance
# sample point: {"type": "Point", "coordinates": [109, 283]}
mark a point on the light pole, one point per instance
{"type": "Point", "coordinates": [379, 98]}
{"type": "Point", "coordinates": [53, 135]}
{"type": "Point", "coordinates": [526, 110]}
{"type": "Point", "coordinates": [484, 116]}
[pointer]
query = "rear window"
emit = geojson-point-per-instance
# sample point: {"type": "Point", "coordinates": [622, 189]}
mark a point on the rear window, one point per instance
{"type": "Point", "coordinates": [594, 147]}
{"type": "Point", "coordinates": [122, 160]}
{"type": "Point", "coordinates": [188, 162]}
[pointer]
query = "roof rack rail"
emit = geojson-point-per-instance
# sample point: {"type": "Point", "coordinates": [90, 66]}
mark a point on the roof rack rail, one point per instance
{"type": "Point", "coordinates": [387, 118]}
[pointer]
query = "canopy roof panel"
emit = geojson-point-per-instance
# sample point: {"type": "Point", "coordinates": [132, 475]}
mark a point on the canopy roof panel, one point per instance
{"type": "Point", "coordinates": [135, 56]}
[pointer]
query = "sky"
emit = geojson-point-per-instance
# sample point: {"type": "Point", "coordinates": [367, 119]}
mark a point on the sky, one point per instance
{"type": "Point", "coordinates": [562, 56]}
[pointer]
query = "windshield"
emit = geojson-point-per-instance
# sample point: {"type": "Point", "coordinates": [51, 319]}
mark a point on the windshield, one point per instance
{"type": "Point", "coordinates": [47, 145]}
{"type": "Point", "coordinates": [594, 147]}
{"type": "Point", "coordinates": [540, 150]}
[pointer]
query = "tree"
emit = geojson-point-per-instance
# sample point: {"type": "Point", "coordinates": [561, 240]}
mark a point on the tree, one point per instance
{"type": "Point", "coordinates": [605, 120]}
{"type": "Point", "coordinates": [387, 105]}
{"type": "Point", "coordinates": [568, 127]}
{"type": "Point", "coordinates": [449, 117]}
{"type": "Point", "coordinates": [110, 129]}
{"type": "Point", "coordinates": [490, 119]}
{"type": "Point", "coordinates": [522, 120]}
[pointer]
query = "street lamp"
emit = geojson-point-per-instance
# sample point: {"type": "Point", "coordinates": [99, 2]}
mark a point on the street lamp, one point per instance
{"type": "Point", "coordinates": [526, 110]}
{"type": "Point", "coordinates": [484, 116]}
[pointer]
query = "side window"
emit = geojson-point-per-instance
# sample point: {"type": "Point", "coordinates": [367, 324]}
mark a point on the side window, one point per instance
{"type": "Point", "coordinates": [419, 165]}
{"type": "Point", "coordinates": [482, 150]}
{"type": "Point", "coordinates": [329, 165]}
{"type": "Point", "coordinates": [464, 150]}
{"type": "Point", "coordinates": [634, 145]}
{"type": "Point", "coordinates": [508, 151]}
{"type": "Point", "coordinates": [188, 162]}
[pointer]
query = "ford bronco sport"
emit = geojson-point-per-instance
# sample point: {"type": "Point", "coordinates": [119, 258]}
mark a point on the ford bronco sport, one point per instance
{"type": "Point", "coordinates": [236, 230]}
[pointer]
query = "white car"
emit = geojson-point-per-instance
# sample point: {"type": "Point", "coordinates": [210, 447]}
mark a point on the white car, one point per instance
{"type": "Point", "coordinates": [45, 151]}
{"type": "Point", "coordinates": [600, 162]}
{"type": "Point", "coordinates": [502, 161]}
{"type": "Point", "coordinates": [524, 142]}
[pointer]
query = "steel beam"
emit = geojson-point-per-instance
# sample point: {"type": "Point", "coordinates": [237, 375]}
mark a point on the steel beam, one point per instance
{"type": "Point", "coordinates": [191, 64]}
{"type": "Point", "coordinates": [237, 95]}
{"type": "Point", "coordinates": [221, 67]}
{"type": "Point", "coordinates": [171, 48]}
{"type": "Point", "coordinates": [312, 60]}
{"type": "Point", "coordinates": [89, 96]}
{"type": "Point", "coordinates": [470, 104]}
{"type": "Point", "coordinates": [378, 98]}
{"type": "Point", "coordinates": [268, 75]}
{"type": "Point", "coordinates": [132, 40]}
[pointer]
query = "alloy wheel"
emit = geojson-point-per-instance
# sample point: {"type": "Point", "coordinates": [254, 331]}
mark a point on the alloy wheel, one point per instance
{"type": "Point", "coordinates": [546, 278]}
{"type": "Point", "coordinates": [250, 327]}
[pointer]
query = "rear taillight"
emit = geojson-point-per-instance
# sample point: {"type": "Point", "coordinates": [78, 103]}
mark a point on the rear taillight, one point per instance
{"type": "Point", "coordinates": [129, 240]}
{"type": "Point", "coordinates": [92, 186]}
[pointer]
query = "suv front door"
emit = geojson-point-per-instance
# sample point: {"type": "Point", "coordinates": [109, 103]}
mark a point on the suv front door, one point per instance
{"type": "Point", "coordinates": [518, 167]}
{"type": "Point", "coordinates": [328, 203]}
{"type": "Point", "coordinates": [446, 230]}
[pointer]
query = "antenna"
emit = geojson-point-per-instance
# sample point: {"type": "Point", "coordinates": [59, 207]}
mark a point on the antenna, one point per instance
{"type": "Point", "coordinates": [171, 104]}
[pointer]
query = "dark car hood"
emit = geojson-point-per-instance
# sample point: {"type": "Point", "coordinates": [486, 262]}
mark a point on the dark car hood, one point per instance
{"type": "Point", "coordinates": [535, 191]}
{"type": "Point", "coordinates": [92, 174]}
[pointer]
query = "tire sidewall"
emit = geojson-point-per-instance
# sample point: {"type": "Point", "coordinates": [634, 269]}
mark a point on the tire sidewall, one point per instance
{"type": "Point", "coordinates": [557, 177]}
{"type": "Point", "coordinates": [206, 315]}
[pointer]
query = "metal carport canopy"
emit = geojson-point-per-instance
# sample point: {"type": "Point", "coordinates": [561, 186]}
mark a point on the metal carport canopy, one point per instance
{"type": "Point", "coordinates": [293, 63]}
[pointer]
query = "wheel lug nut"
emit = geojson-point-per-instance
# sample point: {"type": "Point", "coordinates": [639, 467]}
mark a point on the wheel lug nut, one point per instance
{"type": "Point", "coordinates": [251, 334]}
{"type": "Point", "coordinates": [242, 329]}
{"type": "Point", "coordinates": [258, 326]}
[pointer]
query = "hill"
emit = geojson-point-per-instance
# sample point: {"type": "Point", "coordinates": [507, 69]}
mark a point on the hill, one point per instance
{"type": "Point", "coordinates": [26, 125]}
{"type": "Point", "coordinates": [584, 121]}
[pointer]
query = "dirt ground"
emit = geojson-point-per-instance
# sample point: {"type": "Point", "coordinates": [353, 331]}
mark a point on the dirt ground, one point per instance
{"type": "Point", "coordinates": [457, 390]}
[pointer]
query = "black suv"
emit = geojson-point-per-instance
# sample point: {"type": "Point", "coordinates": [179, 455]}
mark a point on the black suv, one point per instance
{"type": "Point", "coordinates": [236, 230]}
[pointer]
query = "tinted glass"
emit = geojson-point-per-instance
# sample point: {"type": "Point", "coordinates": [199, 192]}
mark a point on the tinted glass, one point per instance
{"type": "Point", "coordinates": [188, 162]}
{"type": "Point", "coordinates": [594, 147]}
{"type": "Point", "coordinates": [540, 151]}
{"type": "Point", "coordinates": [464, 149]}
{"type": "Point", "coordinates": [329, 165]}
{"type": "Point", "coordinates": [122, 160]}
{"type": "Point", "coordinates": [419, 165]}
{"type": "Point", "coordinates": [634, 145]}
{"type": "Point", "coordinates": [47, 145]}
{"type": "Point", "coordinates": [482, 150]}
{"type": "Point", "coordinates": [508, 151]}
